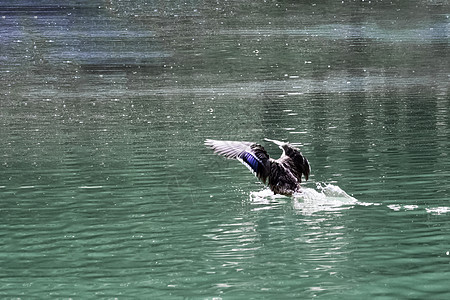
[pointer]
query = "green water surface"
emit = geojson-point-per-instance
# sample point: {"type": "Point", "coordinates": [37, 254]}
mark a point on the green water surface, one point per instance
{"type": "Point", "coordinates": [106, 188]}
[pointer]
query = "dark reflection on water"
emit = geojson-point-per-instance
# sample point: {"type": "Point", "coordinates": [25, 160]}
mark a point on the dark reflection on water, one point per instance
{"type": "Point", "coordinates": [106, 188]}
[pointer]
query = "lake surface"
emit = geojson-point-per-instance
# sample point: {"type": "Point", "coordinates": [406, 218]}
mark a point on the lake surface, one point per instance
{"type": "Point", "coordinates": [106, 188]}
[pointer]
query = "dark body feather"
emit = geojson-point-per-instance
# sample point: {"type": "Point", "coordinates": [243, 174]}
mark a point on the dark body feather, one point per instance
{"type": "Point", "coordinates": [283, 175]}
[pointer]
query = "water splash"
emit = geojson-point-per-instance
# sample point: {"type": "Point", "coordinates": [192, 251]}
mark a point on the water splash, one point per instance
{"type": "Point", "coordinates": [325, 197]}
{"type": "Point", "coordinates": [265, 199]}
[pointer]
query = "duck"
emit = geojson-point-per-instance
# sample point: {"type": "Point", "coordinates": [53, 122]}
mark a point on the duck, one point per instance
{"type": "Point", "coordinates": [283, 175]}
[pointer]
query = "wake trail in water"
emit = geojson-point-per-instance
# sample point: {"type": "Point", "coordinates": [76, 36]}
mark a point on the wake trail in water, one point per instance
{"type": "Point", "coordinates": [330, 197]}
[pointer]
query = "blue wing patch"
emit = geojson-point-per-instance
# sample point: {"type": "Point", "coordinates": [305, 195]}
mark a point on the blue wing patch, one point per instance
{"type": "Point", "coordinates": [249, 160]}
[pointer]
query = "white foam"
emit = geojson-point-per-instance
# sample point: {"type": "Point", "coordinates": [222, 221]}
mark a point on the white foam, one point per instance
{"type": "Point", "coordinates": [398, 207]}
{"type": "Point", "coordinates": [264, 197]}
{"type": "Point", "coordinates": [438, 210]}
{"type": "Point", "coordinates": [325, 197]}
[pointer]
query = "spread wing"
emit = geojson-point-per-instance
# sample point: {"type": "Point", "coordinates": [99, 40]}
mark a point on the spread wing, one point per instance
{"type": "Point", "coordinates": [299, 163]}
{"type": "Point", "coordinates": [252, 155]}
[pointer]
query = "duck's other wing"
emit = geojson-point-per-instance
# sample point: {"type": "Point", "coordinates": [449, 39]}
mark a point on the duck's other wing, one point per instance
{"type": "Point", "coordinates": [301, 164]}
{"type": "Point", "coordinates": [297, 161]}
{"type": "Point", "coordinates": [252, 155]}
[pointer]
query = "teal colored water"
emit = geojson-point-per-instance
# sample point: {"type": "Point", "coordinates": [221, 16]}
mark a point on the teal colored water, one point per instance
{"type": "Point", "coordinates": [106, 188]}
